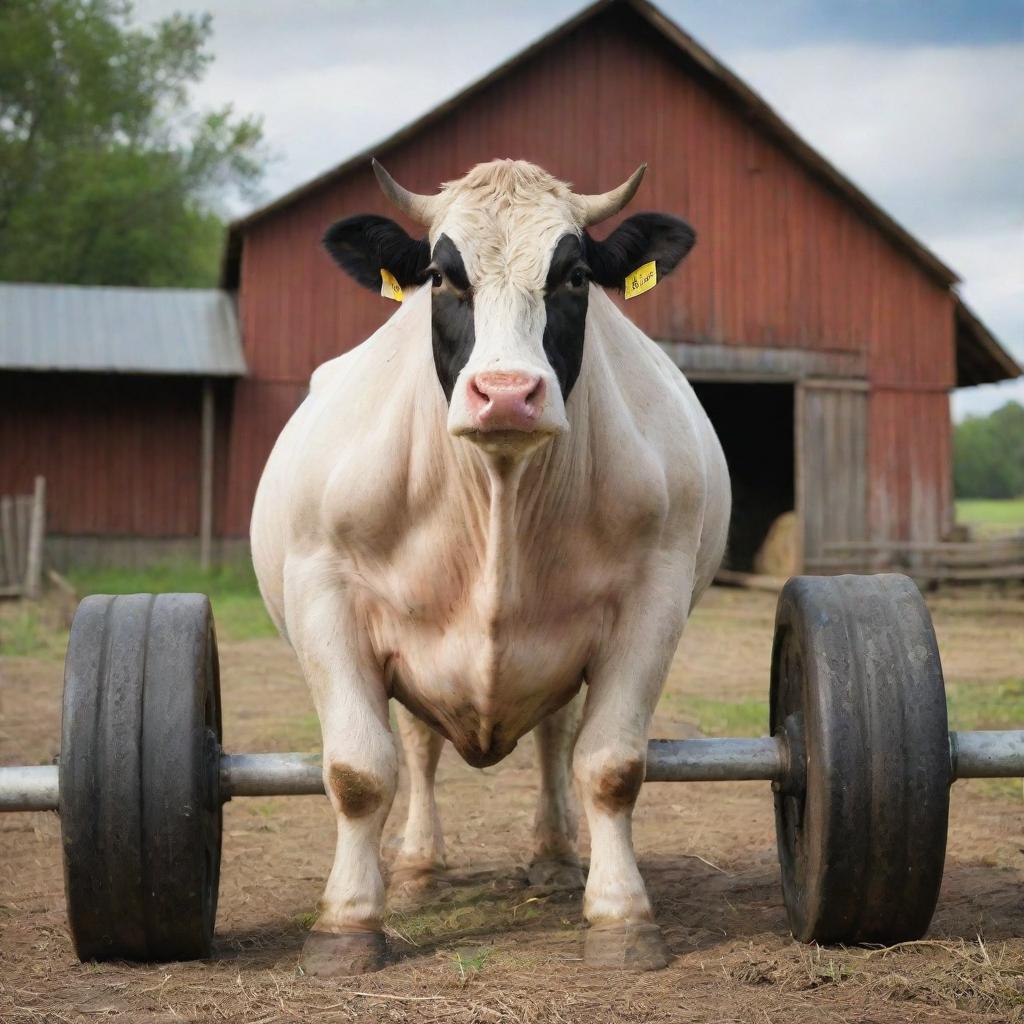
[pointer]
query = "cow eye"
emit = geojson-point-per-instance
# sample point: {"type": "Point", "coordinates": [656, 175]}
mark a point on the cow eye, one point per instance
{"type": "Point", "coordinates": [577, 277]}
{"type": "Point", "coordinates": [437, 279]}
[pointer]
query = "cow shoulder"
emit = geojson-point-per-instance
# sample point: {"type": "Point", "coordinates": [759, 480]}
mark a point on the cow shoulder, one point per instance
{"type": "Point", "coordinates": [654, 430]}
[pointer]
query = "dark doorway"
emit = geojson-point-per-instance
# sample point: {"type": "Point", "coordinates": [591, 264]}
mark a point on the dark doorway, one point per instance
{"type": "Point", "coordinates": [755, 425]}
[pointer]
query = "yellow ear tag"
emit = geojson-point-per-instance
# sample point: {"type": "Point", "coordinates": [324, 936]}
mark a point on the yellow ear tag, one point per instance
{"type": "Point", "coordinates": [643, 279]}
{"type": "Point", "coordinates": [389, 286]}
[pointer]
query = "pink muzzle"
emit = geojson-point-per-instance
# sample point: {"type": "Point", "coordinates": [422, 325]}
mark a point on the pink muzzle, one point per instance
{"type": "Point", "coordinates": [504, 400]}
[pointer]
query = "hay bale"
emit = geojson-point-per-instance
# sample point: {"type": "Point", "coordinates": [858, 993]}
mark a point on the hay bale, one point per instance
{"type": "Point", "coordinates": [778, 554]}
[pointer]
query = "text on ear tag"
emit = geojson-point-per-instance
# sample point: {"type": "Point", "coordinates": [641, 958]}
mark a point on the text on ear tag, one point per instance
{"type": "Point", "coordinates": [643, 279]}
{"type": "Point", "coordinates": [389, 286]}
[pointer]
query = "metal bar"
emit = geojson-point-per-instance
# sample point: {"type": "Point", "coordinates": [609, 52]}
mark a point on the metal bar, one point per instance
{"type": "Point", "coordinates": [29, 787]}
{"type": "Point", "coordinates": [973, 755]}
{"type": "Point", "coordinates": [270, 775]}
{"type": "Point", "coordinates": [715, 760]}
{"type": "Point", "coordinates": [699, 760]}
{"type": "Point", "coordinates": [986, 755]}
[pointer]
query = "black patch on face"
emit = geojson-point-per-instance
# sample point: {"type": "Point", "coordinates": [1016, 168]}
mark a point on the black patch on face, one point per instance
{"type": "Point", "coordinates": [636, 241]}
{"type": "Point", "coordinates": [453, 327]}
{"type": "Point", "coordinates": [363, 245]}
{"type": "Point", "coordinates": [566, 293]}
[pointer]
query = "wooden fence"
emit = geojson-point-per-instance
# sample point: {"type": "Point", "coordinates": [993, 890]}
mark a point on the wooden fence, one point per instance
{"type": "Point", "coordinates": [997, 560]}
{"type": "Point", "coordinates": [22, 532]}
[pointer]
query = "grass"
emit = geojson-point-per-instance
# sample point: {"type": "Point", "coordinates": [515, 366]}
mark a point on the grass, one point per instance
{"type": "Point", "coordinates": [991, 517]}
{"type": "Point", "coordinates": [972, 704]}
{"type": "Point", "coordinates": [744, 717]}
{"type": "Point", "coordinates": [28, 631]}
{"type": "Point", "coordinates": [986, 705]}
{"type": "Point", "coordinates": [40, 629]}
{"type": "Point", "coordinates": [237, 605]}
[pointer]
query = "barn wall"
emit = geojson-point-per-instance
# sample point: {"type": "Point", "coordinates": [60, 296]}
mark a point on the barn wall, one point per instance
{"type": "Point", "coordinates": [120, 454]}
{"type": "Point", "coordinates": [782, 260]}
{"type": "Point", "coordinates": [910, 458]}
{"type": "Point", "coordinates": [261, 409]}
{"type": "Point", "coordinates": [832, 465]}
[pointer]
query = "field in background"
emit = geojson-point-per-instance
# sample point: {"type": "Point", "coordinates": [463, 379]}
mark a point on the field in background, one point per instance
{"type": "Point", "coordinates": [991, 517]}
{"type": "Point", "coordinates": [40, 629]}
{"type": "Point", "coordinates": [730, 629]}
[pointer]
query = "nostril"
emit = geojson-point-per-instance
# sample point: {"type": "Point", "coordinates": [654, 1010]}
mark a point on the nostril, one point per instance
{"type": "Point", "coordinates": [534, 396]}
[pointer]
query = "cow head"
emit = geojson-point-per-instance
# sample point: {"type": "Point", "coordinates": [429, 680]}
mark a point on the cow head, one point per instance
{"type": "Point", "coordinates": [510, 266]}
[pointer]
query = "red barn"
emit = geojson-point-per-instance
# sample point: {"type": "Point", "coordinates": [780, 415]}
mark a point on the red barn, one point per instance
{"type": "Point", "coordinates": [804, 306]}
{"type": "Point", "coordinates": [822, 337]}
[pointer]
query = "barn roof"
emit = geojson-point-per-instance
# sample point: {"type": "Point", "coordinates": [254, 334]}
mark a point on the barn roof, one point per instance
{"type": "Point", "coordinates": [980, 359]}
{"type": "Point", "coordinates": [174, 331]}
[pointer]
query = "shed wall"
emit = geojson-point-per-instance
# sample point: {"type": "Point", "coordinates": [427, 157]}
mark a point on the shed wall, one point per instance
{"type": "Point", "coordinates": [120, 454]}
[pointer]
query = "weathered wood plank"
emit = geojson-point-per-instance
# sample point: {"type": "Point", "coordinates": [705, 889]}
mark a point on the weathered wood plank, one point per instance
{"type": "Point", "coordinates": [11, 577]}
{"type": "Point", "coordinates": [749, 580]}
{"type": "Point", "coordinates": [831, 468]}
{"type": "Point", "coordinates": [753, 363]}
{"type": "Point", "coordinates": [22, 518]}
{"type": "Point", "coordinates": [36, 540]}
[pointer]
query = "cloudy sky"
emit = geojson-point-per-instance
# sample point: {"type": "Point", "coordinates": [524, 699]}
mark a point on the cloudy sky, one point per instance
{"type": "Point", "coordinates": [919, 102]}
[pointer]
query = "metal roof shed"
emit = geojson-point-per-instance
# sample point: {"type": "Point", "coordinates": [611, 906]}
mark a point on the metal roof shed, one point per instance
{"type": "Point", "coordinates": [172, 331]}
{"type": "Point", "coordinates": [171, 335]}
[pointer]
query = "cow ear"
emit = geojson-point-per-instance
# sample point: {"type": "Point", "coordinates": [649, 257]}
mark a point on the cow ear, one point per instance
{"type": "Point", "coordinates": [363, 246]}
{"type": "Point", "coordinates": [638, 240]}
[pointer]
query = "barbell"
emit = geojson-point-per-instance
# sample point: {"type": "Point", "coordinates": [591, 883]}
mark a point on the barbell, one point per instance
{"type": "Point", "coordinates": [859, 757]}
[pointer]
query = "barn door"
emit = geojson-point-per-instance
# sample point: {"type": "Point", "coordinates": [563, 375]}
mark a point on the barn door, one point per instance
{"type": "Point", "coordinates": [831, 466]}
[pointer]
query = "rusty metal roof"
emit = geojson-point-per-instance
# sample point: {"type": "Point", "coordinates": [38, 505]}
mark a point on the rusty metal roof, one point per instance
{"type": "Point", "coordinates": [173, 331]}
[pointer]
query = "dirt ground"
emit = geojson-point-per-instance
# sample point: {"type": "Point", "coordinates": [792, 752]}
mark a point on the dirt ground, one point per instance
{"type": "Point", "coordinates": [491, 949]}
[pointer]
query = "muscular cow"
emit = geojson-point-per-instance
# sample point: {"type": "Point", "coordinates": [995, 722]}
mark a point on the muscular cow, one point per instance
{"type": "Point", "coordinates": [506, 492]}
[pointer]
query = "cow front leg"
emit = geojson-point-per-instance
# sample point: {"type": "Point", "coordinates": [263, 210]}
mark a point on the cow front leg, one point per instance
{"type": "Point", "coordinates": [556, 863]}
{"type": "Point", "coordinates": [422, 853]}
{"type": "Point", "coordinates": [609, 762]}
{"type": "Point", "coordinates": [360, 770]}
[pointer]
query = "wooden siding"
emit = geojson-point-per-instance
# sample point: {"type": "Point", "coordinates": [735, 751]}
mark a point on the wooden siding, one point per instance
{"type": "Point", "coordinates": [832, 486]}
{"type": "Point", "coordinates": [120, 454]}
{"type": "Point", "coordinates": [783, 261]}
{"type": "Point", "coordinates": [910, 441]}
{"type": "Point", "coordinates": [261, 409]}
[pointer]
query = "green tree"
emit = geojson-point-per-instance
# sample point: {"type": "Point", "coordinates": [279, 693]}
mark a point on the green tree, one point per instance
{"type": "Point", "coordinates": [989, 454]}
{"type": "Point", "coordinates": [107, 174]}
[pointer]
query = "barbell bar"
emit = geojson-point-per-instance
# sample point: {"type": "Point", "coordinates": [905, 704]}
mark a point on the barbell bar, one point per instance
{"type": "Point", "coordinates": [859, 756]}
{"type": "Point", "coordinates": [986, 754]}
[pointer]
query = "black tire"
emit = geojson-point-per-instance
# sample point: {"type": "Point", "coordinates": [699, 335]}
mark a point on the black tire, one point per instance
{"type": "Point", "coordinates": [857, 685]}
{"type": "Point", "coordinates": [139, 777]}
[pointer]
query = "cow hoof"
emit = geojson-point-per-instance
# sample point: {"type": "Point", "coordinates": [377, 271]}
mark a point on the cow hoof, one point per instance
{"type": "Point", "coordinates": [633, 945]}
{"type": "Point", "coordinates": [333, 954]}
{"type": "Point", "coordinates": [558, 875]}
{"type": "Point", "coordinates": [410, 886]}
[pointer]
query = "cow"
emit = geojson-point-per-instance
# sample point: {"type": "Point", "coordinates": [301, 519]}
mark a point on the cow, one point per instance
{"type": "Point", "coordinates": [507, 492]}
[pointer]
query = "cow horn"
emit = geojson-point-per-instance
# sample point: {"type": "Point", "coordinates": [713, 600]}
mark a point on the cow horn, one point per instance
{"type": "Point", "coordinates": [600, 207]}
{"type": "Point", "coordinates": [420, 208]}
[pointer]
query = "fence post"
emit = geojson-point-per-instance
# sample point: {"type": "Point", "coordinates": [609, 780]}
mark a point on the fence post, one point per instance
{"type": "Point", "coordinates": [36, 540]}
{"type": "Point", "coordinates": [206, 451]}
